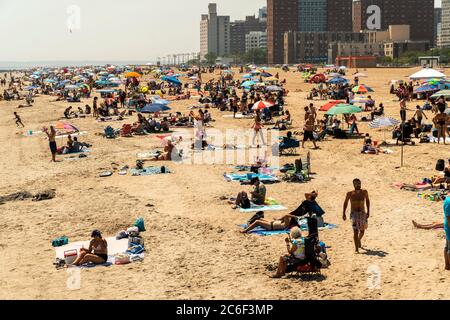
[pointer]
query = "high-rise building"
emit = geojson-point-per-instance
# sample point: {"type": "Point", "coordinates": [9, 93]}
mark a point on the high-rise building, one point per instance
{"type": "Point", "coordinates": [282, 16]}
{"type": "Point", "coordinates": [437, 22]}
{"type": "Point", "coordinates": [379, 14]}
{"type": "Point", "coordinates": [255, 40]}
{"type": "Point", "coordinates": [239, 29]}
{"type": "Point", "coordinates": [339, 15]}
{"type": "Point", "coordinates": [312, 15]}
{"type": "Point", "coordinates": [445, 25]}
{"type": "Point", "coordinates": [214, 33]}
{"type": "Point", "coordinates": [262, 14]}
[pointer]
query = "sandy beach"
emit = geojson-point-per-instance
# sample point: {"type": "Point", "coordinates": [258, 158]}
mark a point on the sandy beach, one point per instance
{"type": "Point", "coordinates": [193, 246]}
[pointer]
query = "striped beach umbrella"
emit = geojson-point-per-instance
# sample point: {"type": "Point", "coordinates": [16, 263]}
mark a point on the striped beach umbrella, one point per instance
{"type": "Point", "coordinates": [383, 123]}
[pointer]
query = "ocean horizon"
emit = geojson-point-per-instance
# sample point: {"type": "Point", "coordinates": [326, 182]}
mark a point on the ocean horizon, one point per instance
{"type": "Point", "coordinates": [20, 65]}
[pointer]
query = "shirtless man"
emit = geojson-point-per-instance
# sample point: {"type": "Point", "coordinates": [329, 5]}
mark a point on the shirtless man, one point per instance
{"type": "Point", "coordinates": [309, 132]}
{"type": "Point", "coordinates": [358, 214]}
{"type": "Point", "coordinates": [18, 120]}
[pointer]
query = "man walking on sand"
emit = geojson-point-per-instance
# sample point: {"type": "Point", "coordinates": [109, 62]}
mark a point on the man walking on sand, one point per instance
{"type": "Point", "coordinates": [358, 214]}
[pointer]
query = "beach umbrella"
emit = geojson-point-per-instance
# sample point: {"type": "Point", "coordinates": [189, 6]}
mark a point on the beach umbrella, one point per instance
{"type": "Point", "coordinates": [266, 75]}
{"type": "Point", "coordinates": [172, 80]}
{"type": "Point", "coordinates": [271, 79]}
{"type": "Point", "coordinates": [330, 105]}
{"type": "Point", "coordinates": [262, 105]}
{"type": "Point", "coordinates": [106, 91]}
{"type": "Point", "coordinates": [383, 123]}
{"type": "Point", "coordinates": [445, 93]}
{"type": "Point", "coordinates": [60, 125]}
{"type": "Point", "coordinates": [337, 81]}
{"type": "Point", "coordinates": [71, 87]}
{"type": "Point", "coordinates": [248, 83]}
{"type": "Point", "coordinates": [274, 88]}
{"type": "Point", "coordinates": [154, 107]}
{"type": "Point", "coordinates": [31, 88]}
{"type": "Point", "coordinates": [360, 99]}
{"type": "Point", "coordinates": [362, 89]}
{"type": "Point", "coordinates": [426, 88]}
{"type": "Point", "coordinates": [158, 100]}
{"type": "Point", "coordinates": [247, 76]}
{"type": "Point", "coordinates": [49, 81]}
{"type": "Point", "coordinates": [133, 74]}
{"type": "Point", "coordinates": [343, 109]}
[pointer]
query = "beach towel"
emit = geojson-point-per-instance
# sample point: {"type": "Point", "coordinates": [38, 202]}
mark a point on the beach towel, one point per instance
{"type": "Point", "coordinates": [239, 116]}
{"type": "Point", "coordinates": [273, 207]}
{"type": "Point", "coordinates": [249, 176]}
{"type": "Point", "coordinates": [435, 140]}
{"type": "Point", "coordinates": [145, 155]}
{"type": "Point", "coordinates": [304, 227]}
{"type": "Point", "coordinates": [147, 171]}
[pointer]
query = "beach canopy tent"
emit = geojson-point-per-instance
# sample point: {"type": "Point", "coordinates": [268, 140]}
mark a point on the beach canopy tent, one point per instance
{"type": "Point", "coordinates": [383, 123]}
{"type": "Point", "coordinates": [330, 105]}
{"type": "Point", "coordinates": [154, 107]}
{"type": "Point", "coordinates": [445, 93]}
{"type": "Point", "coordinates": [427, 74]}
{"type": "Point", "coordinates": [343, 108]}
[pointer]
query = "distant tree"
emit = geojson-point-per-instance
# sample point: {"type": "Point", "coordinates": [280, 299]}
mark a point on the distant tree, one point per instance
{"type": "Point", "coordinates": [211, 57]}
{"type": "Point", "coordinates": [256, 56]}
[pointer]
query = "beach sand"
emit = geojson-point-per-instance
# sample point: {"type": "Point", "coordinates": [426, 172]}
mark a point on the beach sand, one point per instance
{"type": "Point", "coordinates": [194, 248]}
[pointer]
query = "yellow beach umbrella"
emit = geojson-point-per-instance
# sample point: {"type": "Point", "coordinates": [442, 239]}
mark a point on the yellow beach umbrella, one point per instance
{"type": "Point", "coordinates": [132, 75]}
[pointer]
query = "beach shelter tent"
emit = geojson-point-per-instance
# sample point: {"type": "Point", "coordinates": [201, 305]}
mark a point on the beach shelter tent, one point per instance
{"type": "Point", "coordinates": [330, 105]}
{"type": "Point", "coordinates": [426, 88]}
{"type": "Point", "coordinates": [383, 123]}
{"type": "Point", "coordinates": [427, 74]}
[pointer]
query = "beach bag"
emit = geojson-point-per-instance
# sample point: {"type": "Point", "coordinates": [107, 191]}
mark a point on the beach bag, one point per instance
{"type": "Point", "coordinates": [60, 241]}
{"type": "Point", "coordinates": [135, 249]}
{"type": "Point", "coordinates": [140, 224]}
{"type": "Point", "coordinates": [132, 241]}
{"type": "Point", "coordinates": [122, 259]}
{"type": "Point", "coordinates": [440, 165]}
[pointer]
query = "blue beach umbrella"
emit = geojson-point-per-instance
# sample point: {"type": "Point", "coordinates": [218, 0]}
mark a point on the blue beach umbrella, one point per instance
{"type": "Point", "coordinates": [154, 107]}
{"type": "Point", "coordinates": [337, 81]}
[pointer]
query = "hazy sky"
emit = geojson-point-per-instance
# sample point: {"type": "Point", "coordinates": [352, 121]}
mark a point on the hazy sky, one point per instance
{"type": "Point", "coordinates": [109, 29]}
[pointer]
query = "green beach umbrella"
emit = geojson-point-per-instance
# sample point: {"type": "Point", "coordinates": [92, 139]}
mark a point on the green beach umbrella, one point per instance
{"type": "Point", "coordinates": [445, 93]}
{"type": "Point", "coordinates": [343, 108]}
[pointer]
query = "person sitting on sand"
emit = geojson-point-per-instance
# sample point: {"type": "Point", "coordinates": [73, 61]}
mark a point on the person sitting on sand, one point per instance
{"type": "Point", "coordinates": [311, 208]}
{"type": "Point", "coordinates": [169, 150]}
{"type": "Point", "coordinates": [283, 121]}
{"type": "Point", "coordinates": [445, 178]}
{"type": "Point", "coordinates": [296, 252]}
{"type": "Point", "coordinates": [68, 112]}
{"type": "Point", "coordinates": [258, 195]}
{"type": "Point", "coordinates": [97, 253]}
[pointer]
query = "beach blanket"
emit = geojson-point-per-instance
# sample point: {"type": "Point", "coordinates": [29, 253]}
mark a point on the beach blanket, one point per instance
{"type": "Point", "coordinates": [303, 226]}
{"type": "Point", "coordinates": [115, 247]}
{"type": "Point", "coordinates": [147, 171]}
{"type": "Point", "coordinates": [245, 177]}
{"type": "Point", "coordinates": [271, 207]}
{"type": "Point", "coordinates": [239, 116]}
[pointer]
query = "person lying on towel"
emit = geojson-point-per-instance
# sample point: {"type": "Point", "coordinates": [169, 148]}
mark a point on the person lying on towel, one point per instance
{"type": "Point", "coordinates": [97, 253]}
{"type": "Point", "coordinates": [258, 195]}
{"type": "Point", "coordinates": [284, 223]}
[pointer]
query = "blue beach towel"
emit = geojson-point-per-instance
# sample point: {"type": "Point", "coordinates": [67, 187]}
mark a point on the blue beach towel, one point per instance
{"type": "Point", "coordinates": [262, 232]}
{"type": "Point", "coordinates": [249, 176]}
{"type": "Point", "coordinates": [147, 171]}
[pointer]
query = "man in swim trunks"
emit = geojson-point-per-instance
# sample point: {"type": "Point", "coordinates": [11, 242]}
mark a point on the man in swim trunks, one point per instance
{"type": "Point", "coordinates": [358, 214]}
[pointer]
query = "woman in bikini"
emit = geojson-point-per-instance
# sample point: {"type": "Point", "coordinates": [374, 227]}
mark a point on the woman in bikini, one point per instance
{"type": "Point", "coordinates": [286, 222]}
{"type": "Point", "coordinates": [440, 121]}
{"type": "Point", "coordinates": [97, 252]}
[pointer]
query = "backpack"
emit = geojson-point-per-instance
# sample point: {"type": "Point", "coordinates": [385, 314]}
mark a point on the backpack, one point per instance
{"type": "Point", "coordinates": [440, 165]}
{"type": "Point", "coordinates": [140, 224]}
